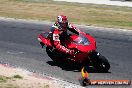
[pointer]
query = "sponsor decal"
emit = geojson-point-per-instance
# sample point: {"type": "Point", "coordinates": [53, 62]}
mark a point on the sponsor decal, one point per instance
{"type": "Point", "coordinates": [56, 37]}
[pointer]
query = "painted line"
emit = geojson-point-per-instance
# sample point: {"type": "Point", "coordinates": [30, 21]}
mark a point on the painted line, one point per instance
{"type": "Point", "coordinates": [14, 52]}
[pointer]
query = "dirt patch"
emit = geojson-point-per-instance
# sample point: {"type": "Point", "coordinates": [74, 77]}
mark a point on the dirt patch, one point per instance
{"type": "Point", "coordinates": [18, 78]}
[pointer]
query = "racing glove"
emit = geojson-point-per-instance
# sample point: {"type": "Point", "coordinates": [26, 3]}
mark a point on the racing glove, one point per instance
{"type": "Point", "coordinates": [71, 52]}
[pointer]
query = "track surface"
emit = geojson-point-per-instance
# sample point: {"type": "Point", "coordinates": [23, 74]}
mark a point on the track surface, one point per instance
{"type": "Point", "coordinates": [19, 47]}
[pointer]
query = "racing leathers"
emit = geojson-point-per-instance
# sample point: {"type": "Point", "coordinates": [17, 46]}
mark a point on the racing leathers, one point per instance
{"type": "Point", "coordinates": [59, 34]}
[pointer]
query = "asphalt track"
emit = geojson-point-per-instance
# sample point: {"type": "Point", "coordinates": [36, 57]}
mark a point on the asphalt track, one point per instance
{"type": "Point", "coordinates": [19, 47]}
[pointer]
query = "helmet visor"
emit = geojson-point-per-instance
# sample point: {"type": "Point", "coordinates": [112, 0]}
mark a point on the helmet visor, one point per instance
{"type": "Point", "coordinates": [64, 24]}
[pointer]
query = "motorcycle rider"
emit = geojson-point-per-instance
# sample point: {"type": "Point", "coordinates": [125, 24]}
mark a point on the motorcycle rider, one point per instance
{"type": "Point", "coordinates": [59, 33]}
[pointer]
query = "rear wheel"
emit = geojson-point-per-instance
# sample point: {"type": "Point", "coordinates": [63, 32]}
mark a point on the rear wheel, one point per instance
{"type": "Point", "coordinates": [55, 55]}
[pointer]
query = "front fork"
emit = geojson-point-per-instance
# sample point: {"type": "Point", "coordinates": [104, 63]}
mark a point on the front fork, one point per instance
{"type": "Point", "coordinates": [93, 56]}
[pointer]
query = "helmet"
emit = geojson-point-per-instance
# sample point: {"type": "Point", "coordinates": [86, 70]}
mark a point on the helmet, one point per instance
{"type": "Point", "coordinates": [62, 21]}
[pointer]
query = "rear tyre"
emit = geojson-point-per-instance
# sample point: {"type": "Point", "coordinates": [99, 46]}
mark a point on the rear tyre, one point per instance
{"type": "Point", "coordinates": [55, 55]}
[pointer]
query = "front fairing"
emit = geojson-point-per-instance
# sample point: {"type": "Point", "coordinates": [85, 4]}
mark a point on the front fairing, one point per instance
{"type": "Point", "coordinates": [84, 43]}
{"type": "Point", "coordinates": [44, 37]}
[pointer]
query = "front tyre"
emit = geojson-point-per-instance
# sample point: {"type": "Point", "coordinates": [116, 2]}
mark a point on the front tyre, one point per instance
{"type": "Point", "coordinates": [102, 64]}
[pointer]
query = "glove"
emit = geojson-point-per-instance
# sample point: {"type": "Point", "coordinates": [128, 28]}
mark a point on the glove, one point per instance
{"type": "Point", "coordinates": [71, 52]}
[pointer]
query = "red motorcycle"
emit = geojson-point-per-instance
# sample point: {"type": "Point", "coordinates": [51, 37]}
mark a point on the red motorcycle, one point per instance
{"type": "Point", "coordinates": [85, 47]}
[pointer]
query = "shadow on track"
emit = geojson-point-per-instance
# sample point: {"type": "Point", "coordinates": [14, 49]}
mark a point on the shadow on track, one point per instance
{"type": "Point", "coordinates": [74, 68]}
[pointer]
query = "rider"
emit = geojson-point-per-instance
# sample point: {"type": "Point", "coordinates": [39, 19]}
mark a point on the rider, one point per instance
{"type": "Point", "coordinates": [59, 33]}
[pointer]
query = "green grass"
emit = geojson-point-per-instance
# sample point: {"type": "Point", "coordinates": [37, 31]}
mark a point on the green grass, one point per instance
{"type": "Point", "coordinates": [46, 86]}
{"type": "Point", "coordinates": [4, 84]}
{"type": "Point", "coordinates": [9, 86]}
{"type": "Point", "coordinates": [17, 77]}
{"type": "Point", "coordinates": [3, 79]}
{"type": "Point", "coordinates": [88, 14]}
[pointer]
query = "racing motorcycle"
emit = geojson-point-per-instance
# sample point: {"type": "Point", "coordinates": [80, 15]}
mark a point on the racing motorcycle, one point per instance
{"type": "Point", "coordinates": [85, 47]}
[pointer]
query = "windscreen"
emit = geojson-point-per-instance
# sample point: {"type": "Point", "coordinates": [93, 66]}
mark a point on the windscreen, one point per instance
{"type": "Point", "coordinates": [82, 40]}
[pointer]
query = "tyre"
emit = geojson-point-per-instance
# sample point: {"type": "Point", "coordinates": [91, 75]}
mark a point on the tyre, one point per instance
{"type": "Point", "coordinates": [103, 65]}
{"type": "Point", "coordinates": [55, 55]}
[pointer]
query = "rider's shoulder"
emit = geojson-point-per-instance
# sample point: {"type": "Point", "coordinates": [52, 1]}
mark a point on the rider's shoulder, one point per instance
{"type": "Point", "coordinates": [55, 26]}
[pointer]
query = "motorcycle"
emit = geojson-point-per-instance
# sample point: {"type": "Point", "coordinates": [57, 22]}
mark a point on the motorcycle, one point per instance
{"type": "Point", "coordinates": [85, 47]}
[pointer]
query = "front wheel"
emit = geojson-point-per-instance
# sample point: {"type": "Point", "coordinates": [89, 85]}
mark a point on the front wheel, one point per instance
{"type": "Point", "coordinates": [102, 64]}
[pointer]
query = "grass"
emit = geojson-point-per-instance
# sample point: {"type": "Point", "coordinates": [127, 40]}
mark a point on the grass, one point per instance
{"type": "Point", "coordinates": [17, 77]}
{"type": "Point", "coordinates": [88, 14]}
{"type": "Point", "coordinates": [4, 84]}
{"type": "Point", "coordinates": [46, 86]}
{"type": "Point", "coordinates": [8, 86]}
{"type": "Point", "coordinates": [3, 79]}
